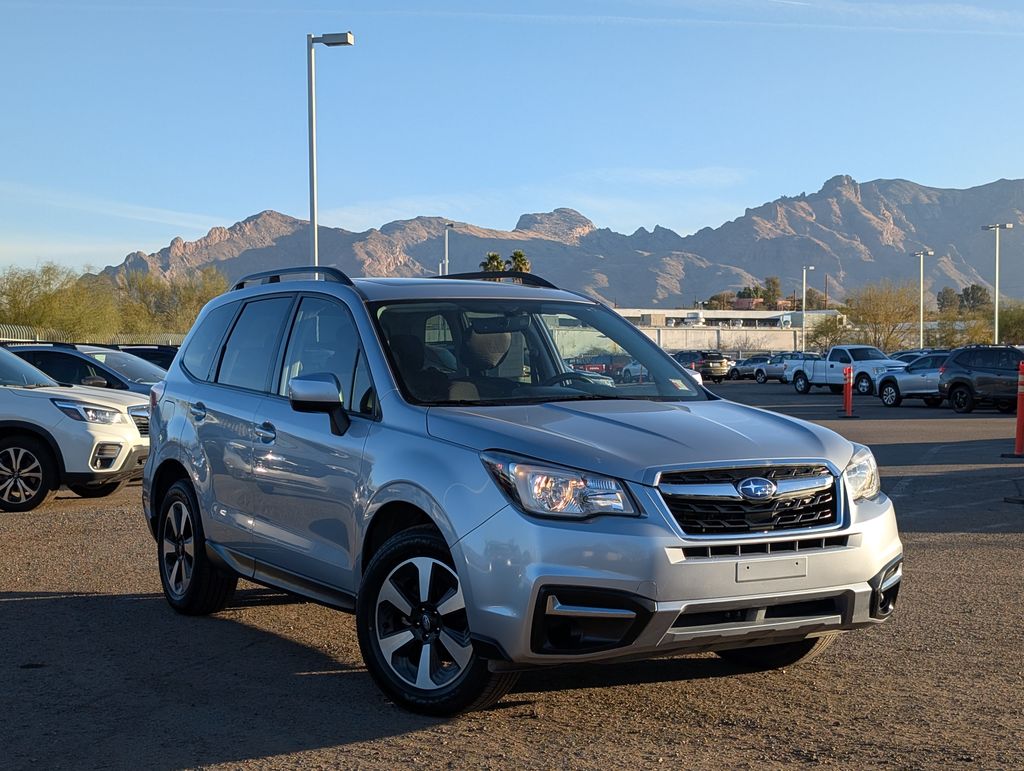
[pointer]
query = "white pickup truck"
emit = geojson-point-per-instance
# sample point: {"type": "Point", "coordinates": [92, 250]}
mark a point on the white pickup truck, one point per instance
{"type": "Point", "coordinates": [868, 363]}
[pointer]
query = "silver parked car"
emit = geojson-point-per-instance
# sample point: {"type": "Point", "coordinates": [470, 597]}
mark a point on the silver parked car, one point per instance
{"type": "Point", "coordinates": [746, 368]}
{"type": "Point", "coordinates": [920, 380]}
{"type": "Point", "coordinates": [489, 509]}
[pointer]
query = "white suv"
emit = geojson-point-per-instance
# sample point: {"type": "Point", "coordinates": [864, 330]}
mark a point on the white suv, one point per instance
{"type": "Point", "coordinates": [90, 439]}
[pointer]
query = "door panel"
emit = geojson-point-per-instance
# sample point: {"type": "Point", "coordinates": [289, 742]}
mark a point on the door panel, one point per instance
{"type": "Point", "coordinates": [307, 480]}
{"type": "Point", "coordinates": [222, 419]}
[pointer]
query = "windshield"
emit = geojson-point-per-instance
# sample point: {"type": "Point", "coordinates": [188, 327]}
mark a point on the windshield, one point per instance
{"type": "Point", "coordinates": [18, 373]}
{"type": "Point", "coordinates": [867, 354]}
{"type": "Point", "coordinates": [499, 352]}
{"type": "Point", "coordinates": [129, 366]}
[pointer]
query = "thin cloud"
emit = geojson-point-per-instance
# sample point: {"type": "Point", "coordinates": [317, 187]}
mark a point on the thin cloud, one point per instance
{"type": "Point", "coordinates": [21, 194]}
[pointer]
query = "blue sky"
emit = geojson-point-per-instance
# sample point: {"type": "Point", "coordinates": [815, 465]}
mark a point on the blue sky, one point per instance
{"type": "Point", "coordinates": [126, 123]}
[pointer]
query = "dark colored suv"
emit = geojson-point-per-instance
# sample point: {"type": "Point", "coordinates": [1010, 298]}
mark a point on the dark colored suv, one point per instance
{"type": "Point", "coordinates": [981, 375]}
{"type": "Point", "coordinates": [711, 365]}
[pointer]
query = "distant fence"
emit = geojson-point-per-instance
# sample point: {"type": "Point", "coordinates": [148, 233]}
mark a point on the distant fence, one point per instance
{"type": "Point", "coordinates": [15, 332]}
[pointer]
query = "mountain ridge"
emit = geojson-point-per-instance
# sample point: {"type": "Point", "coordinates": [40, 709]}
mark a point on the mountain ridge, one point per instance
{"type": "Point", "coordinates": [854, 232]}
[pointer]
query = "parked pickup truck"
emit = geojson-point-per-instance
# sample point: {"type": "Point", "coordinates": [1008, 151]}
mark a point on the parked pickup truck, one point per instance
{"type": "Point", "coordinates": [868, 363]}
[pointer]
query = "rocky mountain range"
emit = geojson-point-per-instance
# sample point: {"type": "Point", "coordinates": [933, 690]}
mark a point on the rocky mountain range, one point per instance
{"type": "Point", "coordinates": [855, 233]}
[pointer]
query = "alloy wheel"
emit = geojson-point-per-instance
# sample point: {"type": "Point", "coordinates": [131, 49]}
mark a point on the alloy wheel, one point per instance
{"type": "Point", "coordinates": [178, 548]}
{"type": "Point", "coordinates": [422, 629]}
{"type": "Point", "coordinates": [21, 475]}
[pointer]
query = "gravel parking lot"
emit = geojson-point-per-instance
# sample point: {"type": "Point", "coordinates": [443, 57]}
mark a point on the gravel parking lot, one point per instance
{"type": "Point", "coordinates": [99, 672]}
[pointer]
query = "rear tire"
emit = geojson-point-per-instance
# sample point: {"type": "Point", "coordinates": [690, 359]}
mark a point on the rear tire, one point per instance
{"type": "Point", "coordinates": [801, 383]}
{"type": "Point", "coordinates": [779, 655]}
{"type": "Point", "coordinates": [734, 374]}
{"type": "Point", "coordinates": [99, 491]}
{"type": "Point", "coordinates": [1006, 407]}
{"type": "Point", "coordinates": [414, 632]}
{"type": "Point", "coordinates": [193, 585]}
{"type": "Point", "coordinates": [961, 399]}
{"type": "Point", "coordinates": [890, 395]}
{"type": "Point", "coordinates": [28, 474]}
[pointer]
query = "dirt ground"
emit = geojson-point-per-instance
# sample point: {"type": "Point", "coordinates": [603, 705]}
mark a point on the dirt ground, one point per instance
{"type": "Point", "coordinates": [98, 672]}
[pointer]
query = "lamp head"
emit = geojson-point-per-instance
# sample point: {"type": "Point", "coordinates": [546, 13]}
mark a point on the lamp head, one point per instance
{"type": "Point", "coordinates": [336, 39]}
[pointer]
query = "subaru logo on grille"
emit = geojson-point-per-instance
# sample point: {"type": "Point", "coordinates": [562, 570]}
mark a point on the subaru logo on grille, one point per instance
{"type": "Point", "coordinates": [756, 488]}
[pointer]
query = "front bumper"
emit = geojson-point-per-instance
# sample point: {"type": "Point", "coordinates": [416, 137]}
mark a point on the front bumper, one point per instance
{"type": "Point", "coordinates": [127, 466]}
{"type": "Point", "coordinates": [546, 592]}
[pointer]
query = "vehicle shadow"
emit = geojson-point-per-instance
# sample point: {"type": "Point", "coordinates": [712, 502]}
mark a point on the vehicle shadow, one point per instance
{"type": "Point", "coordinates": [667, 669]}
{"type": "Point", "coordinates": [123, 681]}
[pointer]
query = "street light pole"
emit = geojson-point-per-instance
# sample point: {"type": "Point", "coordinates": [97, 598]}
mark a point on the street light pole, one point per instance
{"type": "Point", "coordinates": [447, 226]}
{"type": "Point", "coordinates": [995, 301]}
{"type": "Point", "coordinates": [331, 40]}
{"type": "Point", "coordinates": [920, 311]}
{"type": "Point", "coordinates": [803, 311]}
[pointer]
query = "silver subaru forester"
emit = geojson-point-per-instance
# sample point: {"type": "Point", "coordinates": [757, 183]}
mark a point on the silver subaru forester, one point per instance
{"type": "Point", "coordinates": [417, 451]}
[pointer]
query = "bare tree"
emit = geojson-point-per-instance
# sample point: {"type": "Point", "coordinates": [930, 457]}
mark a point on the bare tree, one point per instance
{"type": "Point", "coordinates": [885, 312]}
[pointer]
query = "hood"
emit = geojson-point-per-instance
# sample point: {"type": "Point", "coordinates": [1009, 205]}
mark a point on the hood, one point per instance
{"type": "Point", "coordinates": [634, 439]}
{"type": "Point", "coordinates": [101, 397]}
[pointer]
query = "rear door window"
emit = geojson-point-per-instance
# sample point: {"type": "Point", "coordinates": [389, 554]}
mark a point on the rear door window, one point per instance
{"type": "Point", "coordinates": [251, 349]}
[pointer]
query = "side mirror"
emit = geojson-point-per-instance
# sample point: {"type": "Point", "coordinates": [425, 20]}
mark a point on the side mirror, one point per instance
{"type": "Point", "coordinates": [96, 381]}
{"type": "Point", "coordinates": [320, 392]}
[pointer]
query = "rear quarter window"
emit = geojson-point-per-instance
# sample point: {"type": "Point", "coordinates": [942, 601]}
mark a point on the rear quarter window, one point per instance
{"type": "Point", "coordinates": [201, 352]}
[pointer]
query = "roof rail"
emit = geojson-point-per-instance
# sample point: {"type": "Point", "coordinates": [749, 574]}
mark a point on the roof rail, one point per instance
{"type": "Point", "coordinates": [274, 276]}
{"type": "Point", "coordinates": [53, 343]}
{"type": "Point", "coordinates": [527, 279]}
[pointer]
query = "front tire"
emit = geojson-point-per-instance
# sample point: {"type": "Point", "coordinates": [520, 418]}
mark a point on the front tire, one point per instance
{"type": "Point", "coordinates": [414, 631]}
{"type": "Point", "coordinates": [734, 374]}
{"type": "Point", "coordinates": [28, 474]}
{"type": "Point", "coordinates": [961, 399]}
{"type": "Point", "coordinates": [99, 491]}
{"type": "Point", "coordinates": [192, 584]}
{"type": "Point", "coordinates": [801, 383]}
{"type": "Point", "coordinates": [890, 395]}
{"type": "Point", "coordinates": [761, 377]}
{"type": "Point", "coordinates": [779, 655]}
{"type": "Point", "coordinates": [863, 385]}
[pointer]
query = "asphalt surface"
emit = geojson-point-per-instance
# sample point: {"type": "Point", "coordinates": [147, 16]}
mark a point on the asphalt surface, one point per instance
{"type": "Point", "coordinates": [97, 672]}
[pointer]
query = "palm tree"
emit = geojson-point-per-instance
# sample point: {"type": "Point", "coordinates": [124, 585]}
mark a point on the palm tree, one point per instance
{"type": "Point", "coordinates": [518, 262]}
{"type": "Point", "coordinates": [493, 263]}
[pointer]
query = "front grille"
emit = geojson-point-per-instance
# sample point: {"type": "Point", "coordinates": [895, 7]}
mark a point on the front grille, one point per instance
{"type": "Point", "coordinates": [142, 423]}
{"type": "Point", "coordinates": [731, 514]}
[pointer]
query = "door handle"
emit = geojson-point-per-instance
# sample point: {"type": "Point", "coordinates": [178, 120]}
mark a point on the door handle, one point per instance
{"type": "Point", "coordinates": [266, 432]}
{"type": "Point", "coordinates": [197, 410]}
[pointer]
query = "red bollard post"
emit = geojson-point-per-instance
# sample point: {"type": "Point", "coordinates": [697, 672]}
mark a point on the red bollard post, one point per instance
{"type": "Point", "coordinates": [848, 392]}
{"type": "Point", "coordinates": [1018, 446]}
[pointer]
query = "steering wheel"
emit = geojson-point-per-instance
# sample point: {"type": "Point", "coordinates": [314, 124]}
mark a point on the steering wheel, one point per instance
{"type": "Point", "coordinates": [565, 377]}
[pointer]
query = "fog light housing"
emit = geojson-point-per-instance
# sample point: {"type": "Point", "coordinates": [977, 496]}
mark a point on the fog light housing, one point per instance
{"type": "Point", "coordinates": [886, 588]}
{"type": "Point", "coordinates": [104, 455]}
{"type": "Point", "coordinates": [574, 620]}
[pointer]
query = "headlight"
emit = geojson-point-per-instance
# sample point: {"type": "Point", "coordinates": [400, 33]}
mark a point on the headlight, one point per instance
{"type": "Point", "coordinates": [554, 491]}
{"type": "Point", "coordinates": [862, 474]}
{"type": "Point", "coordinates": [88, 413]}
{"type": "Point", "coordinates": [878, 370]}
